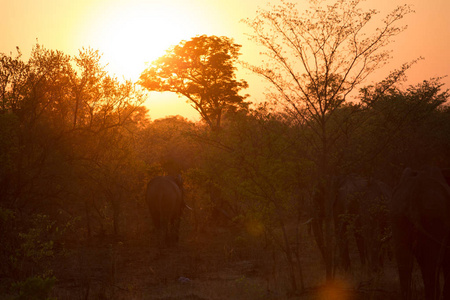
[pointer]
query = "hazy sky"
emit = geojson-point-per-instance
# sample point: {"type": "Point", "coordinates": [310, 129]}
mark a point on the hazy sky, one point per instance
{"type": "Point", "coordinates": [132, 32]}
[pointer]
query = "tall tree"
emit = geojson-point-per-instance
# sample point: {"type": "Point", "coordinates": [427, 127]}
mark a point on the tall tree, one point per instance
{"type": "Point", "coordinates": [62, 118]}
{"type": "Point", "coordinates": [66, 143]}
{"type": "Point", "coordinates": [202, 70]}
{"type": "Point", "coordinates": [315, 60]}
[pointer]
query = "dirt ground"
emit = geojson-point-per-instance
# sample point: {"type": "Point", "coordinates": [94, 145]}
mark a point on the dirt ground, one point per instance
{"type": "Point", "coordinates": [218, 264]}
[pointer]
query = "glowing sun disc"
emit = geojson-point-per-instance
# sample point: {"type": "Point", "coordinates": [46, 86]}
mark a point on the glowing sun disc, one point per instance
{"type": "Point", "coordinates": [133, 34]}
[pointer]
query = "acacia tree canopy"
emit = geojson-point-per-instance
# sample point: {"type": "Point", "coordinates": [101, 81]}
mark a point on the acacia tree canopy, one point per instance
{"type": "Point", "coordinates": [203, 70]}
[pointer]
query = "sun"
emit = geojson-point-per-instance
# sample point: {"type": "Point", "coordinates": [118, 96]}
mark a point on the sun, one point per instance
{"type": "Point", "coordinates": [131, 34]}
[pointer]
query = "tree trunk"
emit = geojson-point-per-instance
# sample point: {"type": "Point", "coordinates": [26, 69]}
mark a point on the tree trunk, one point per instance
{"type": "Point", "coordinates": [289, 258]}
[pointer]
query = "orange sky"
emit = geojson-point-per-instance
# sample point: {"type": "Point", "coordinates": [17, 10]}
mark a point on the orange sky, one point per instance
{"type": "Point", "coordinates": [132, 32]}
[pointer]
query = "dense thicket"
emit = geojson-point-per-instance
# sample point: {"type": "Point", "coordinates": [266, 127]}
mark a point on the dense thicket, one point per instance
{"type": "Point", "coordinates": [68, 162]}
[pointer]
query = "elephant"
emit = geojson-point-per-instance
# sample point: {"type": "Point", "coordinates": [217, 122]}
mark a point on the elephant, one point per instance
{"type": "Point", "coordinates": [360, 209]}
{"type": "Point", "coordinates": [165, 201]}
{"type": "Point", "coordinates": [420, 215]}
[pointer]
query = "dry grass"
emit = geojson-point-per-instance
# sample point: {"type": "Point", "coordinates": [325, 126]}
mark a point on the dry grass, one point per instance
{"type": "Point", "coordinates": [219, 264]}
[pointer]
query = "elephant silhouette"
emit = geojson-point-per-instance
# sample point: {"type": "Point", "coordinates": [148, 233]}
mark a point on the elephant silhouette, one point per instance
{"type": "Point", "coordinates": [421, 228]}
{"type": "Point", "coordinates": [360, 209]}
{"type": "Point", "coordinates": [165, 201]}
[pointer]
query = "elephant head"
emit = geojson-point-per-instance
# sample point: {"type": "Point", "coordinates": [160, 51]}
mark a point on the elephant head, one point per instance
{"type": "Point", "coordinates": [165, 201]}
{"type": "Point", "coordinates": [359, 209]}
{"type": "Point", "coordinates": [421, 228]}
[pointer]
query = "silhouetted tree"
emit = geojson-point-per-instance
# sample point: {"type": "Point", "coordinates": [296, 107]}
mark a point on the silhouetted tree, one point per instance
{"type": "Point", "coordinates": [66, 133]}
{"type": "Point", "coordinates": [202, 70]}
{"type": "Point", "coordinates": [406, 127]}
{"type": "Point", "coordinates": [315, 60]}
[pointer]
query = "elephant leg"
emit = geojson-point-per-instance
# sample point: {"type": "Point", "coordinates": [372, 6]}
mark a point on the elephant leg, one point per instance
{"type": "Point", "coordinates": [167, 234]}
{"type": "Point", "coordinates": [158, 230]}
{"type": "Point", "coordinates": [342, 240]}
{"type": "Point", "coordinates": [405, 259]}
{"type": "Point", "coordinates": [405, 267]}
{"type": "Point", "coordinates": [172, 231]}
{"type": "Point", "coordinates": [360, 244]}
{"type": "Point", "coordinates": [176, 229]}
{"type": "Point", "coordinates": [318, 236]}
{"type": "Point", "coordinates": [427, 258]}
{"type": "Point", "coordinates": [161, 234]}
{"type": "Point", "coordinates": [157, 224]}
{"type": "Point", "coordinates": [359, 239]}
{"type": "Point", "coordinates": [161, 237]}
{"type": "Point", "coordinates": [345, 254]}
{"type": "Point", "coordinates": [445, 258]}
{"type": "Point", "coordinates": [446, 271]}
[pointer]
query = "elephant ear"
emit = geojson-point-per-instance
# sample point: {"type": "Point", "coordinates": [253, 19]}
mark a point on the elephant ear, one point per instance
{"type": "Point", "coordinates": [177, 179]}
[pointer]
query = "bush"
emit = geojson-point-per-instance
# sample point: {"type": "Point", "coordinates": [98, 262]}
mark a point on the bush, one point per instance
{"type": "Point", "coordinates": [35, 288]}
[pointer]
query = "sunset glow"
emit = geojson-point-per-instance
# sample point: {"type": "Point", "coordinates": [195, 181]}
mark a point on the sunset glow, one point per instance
{"type": "Point", "coordinates": [132, 35]}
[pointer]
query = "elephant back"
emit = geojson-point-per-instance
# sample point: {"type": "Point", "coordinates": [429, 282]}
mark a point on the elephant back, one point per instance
{"type": "Point", "coordinates": [164, 197]}
{"type": "Point", "coordinates": [423, 196]}
{"type": "Point", "coordinates": [359, 191]}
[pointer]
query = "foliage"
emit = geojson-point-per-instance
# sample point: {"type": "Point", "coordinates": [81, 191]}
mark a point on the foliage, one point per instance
{"type": "Point", "coordinates": [167, 143]}
{"type": "Point", "coordinates": [315, 59]}
{"type": "Point", "coordinates": [66, 133]}
{"type": "Point", "coordinates": [405, 127]}
{"type": "Point", "coordinates": [257, 179]}
{"type": "Point", "coordinates": [36, 244]}
{"type": "Point", "coordinates": [202, 70]}
{"type": "Point", "coordinates": [35, 288]}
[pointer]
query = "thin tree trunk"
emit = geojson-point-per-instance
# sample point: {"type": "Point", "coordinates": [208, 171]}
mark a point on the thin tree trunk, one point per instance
{"type": "Point", "coordinates": [289, 258]}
